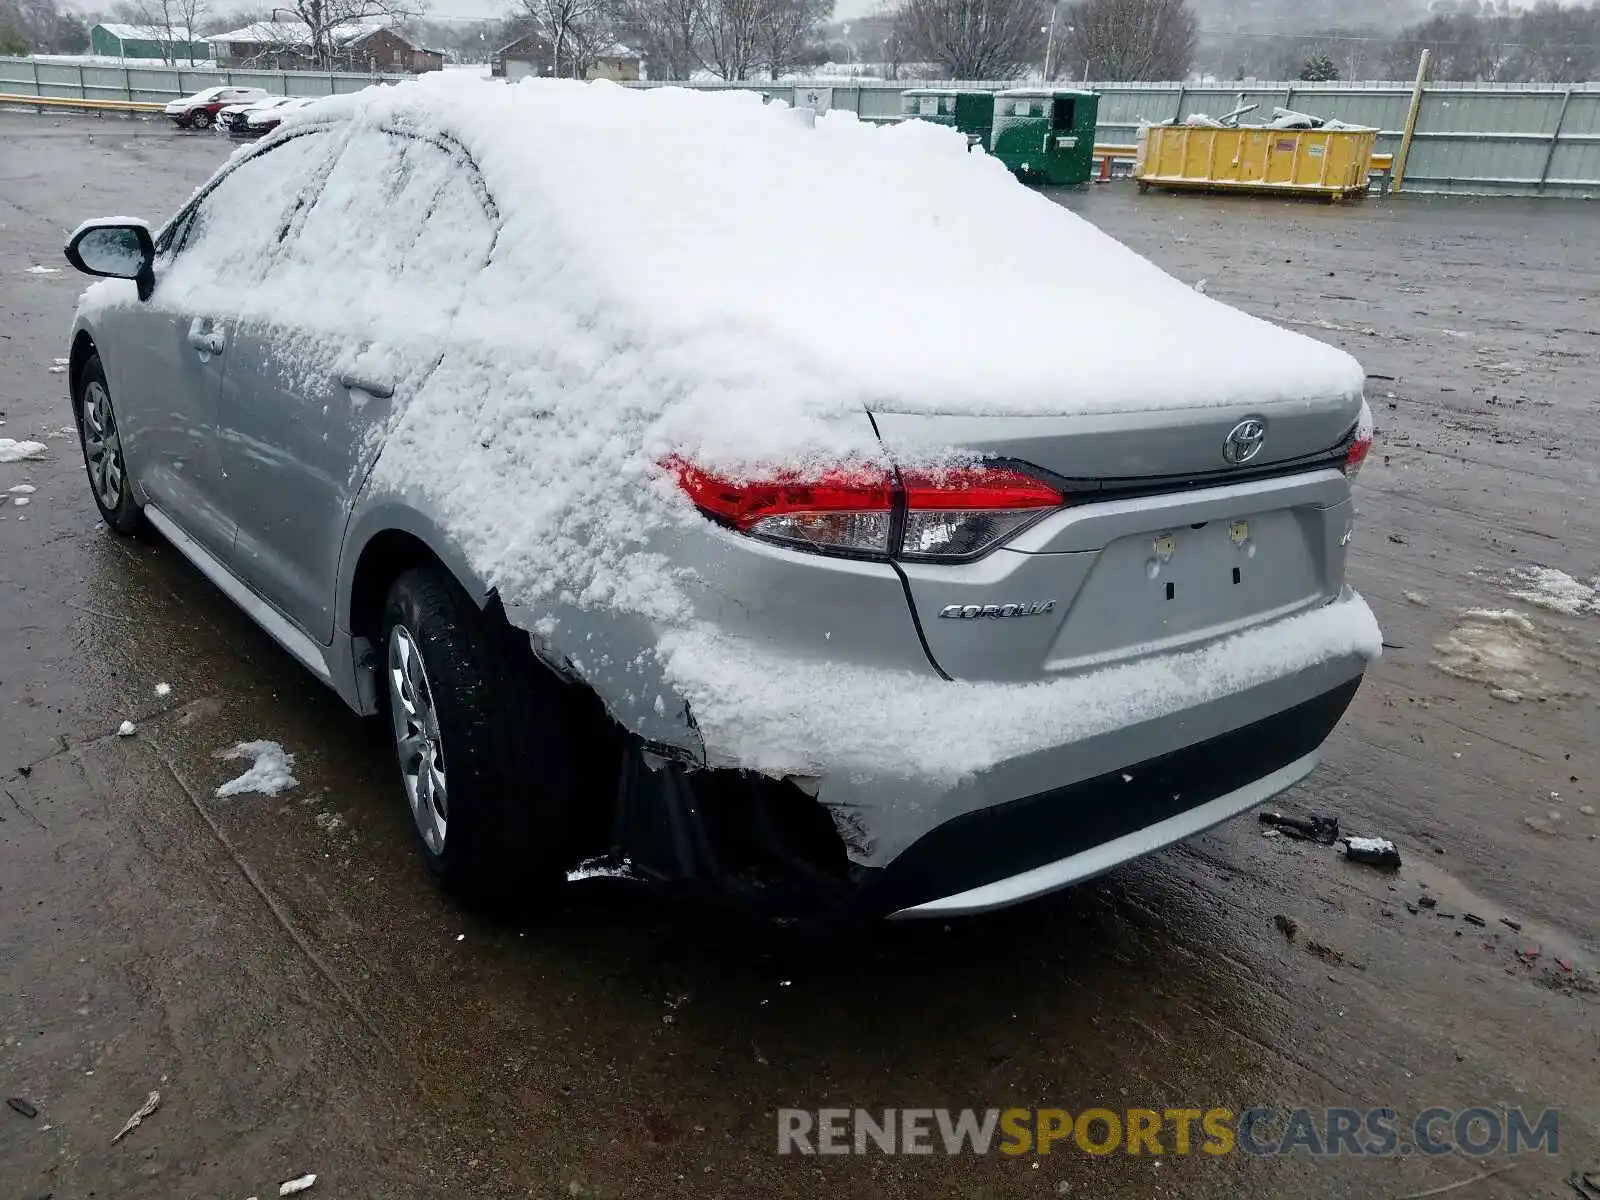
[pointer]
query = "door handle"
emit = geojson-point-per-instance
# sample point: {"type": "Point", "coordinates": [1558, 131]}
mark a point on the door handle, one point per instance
{"type": "Point", "coordinates": [373, 387]}
{"type": "Point", "coordinates": [204, 338]}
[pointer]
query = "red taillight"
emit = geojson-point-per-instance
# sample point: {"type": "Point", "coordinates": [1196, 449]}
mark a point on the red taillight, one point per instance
{"type": "Point", "coordinates": [951, 515]}
{"type": "Point", "coordinates": [1359, 449]}
{"type": "Point", "coordinates": [965, 488]}
{"type": "Point", "coordinates": [845, 511]}
{"type": "Point", "coordinates": [963, 512]}
{"type": "Point", "coordinates": [1362, 445]}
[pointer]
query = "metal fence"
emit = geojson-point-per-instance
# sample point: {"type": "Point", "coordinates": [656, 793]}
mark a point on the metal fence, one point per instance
{"type": "Point", "coordinates": [1494, 139]}
{"type": "Point", "coordinates": [147, 84]}
{"type": "Point", "coordinates": [1484, 139]}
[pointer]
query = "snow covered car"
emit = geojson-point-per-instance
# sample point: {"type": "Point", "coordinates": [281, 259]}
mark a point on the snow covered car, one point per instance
{"type": "Point", "coordinates": [257, 117]}
{"type": "Point", "coordinates": [200, 110]}
{"type": "Point", "coordinates": [703, 491]}
{"type": "Point", "coordinates": [263, 119]}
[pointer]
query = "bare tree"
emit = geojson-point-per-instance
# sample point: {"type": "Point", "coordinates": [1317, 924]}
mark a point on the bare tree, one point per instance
{"type": "Point", "coordinates": [191, 14]}
{"type": "Point", "coordinates": [1127, 40]}
{"type": "Point", "coordinates": [734, 30]}
{"type": "Point", "coordinates": [790, 27]}
{"type": "Point", "coordinates": [161, 21]}
{"type": "Point", "coordinates": [972, 39]}
{"type": "Point", "coordinates": [670, 32]}
{"type": "Point", "coordinates": [329, 23]}
{"type": "Point", "coordinates": [569, 26]}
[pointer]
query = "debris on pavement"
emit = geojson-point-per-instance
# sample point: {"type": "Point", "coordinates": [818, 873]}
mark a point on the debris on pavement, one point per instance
{"type": "Point", "coordinates": [1317, 828]}
{"type": "Point", "coordinates": [1286, 926]}
{"type": "Point", "coordinates": [294, 1187]}
{"type": "Point", "coordinates": [270, 773]}
{"type": "Point", "coordinates": [127, 729]}
{"type": "Point", "coordinates": [1326, 953]}
{"type": "Point", "coordinates": [1474, 919]}
{"type": "Point", "coordinates": [1372, 852]}
{"type": "Point", "coordinates": [1514, 926]}
{"type": "Point", "coordinates": [163, 690]}
{"type": "Point", "coordinates": [148, 1108]}
{"type": "Point", "coordinates": [18, 1105]}
{"type": "Point", "coordinates": [1509, 695]}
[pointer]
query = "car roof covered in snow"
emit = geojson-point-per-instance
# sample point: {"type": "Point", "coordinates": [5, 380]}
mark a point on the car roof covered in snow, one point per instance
{"type": "Point", "coordinates": [840, 262]}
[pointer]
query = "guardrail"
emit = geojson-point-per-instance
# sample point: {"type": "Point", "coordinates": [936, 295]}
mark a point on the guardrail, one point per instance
{"type": "Point", "coordinates": [43, 102]}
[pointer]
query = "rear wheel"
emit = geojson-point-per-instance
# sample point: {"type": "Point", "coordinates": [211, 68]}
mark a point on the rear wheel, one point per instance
{"type": "Point", "coordinates": [102, 451]}
{"type": "Point", "coordinates": [484, 744]}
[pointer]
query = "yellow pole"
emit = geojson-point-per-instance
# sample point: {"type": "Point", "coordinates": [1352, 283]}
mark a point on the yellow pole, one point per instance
{"type": "Point", "coordinates": [1411, 123]}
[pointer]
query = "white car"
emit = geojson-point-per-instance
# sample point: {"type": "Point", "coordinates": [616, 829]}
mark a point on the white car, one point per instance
{"type": "Point", "coordinates": [824, 519]}
{"type": "Point", "coordinates": [200, 110]}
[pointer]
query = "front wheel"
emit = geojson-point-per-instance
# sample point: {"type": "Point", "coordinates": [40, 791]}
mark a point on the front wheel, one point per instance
{"type": "Point", "coordinates": [484, 743]}
{"type": "Point", "coordinates": [201, 120]}
{"type": "Point", "coordinates": [102, 451]}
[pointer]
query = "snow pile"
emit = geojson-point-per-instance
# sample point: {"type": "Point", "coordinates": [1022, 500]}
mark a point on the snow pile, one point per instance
{"type": "Point", "coordinates": [12, 451]}
{"type": "Point", "coordinates": [1556, 591]}
{"type": "Point", "coordinates": [271, 770]}
{"type": "Point", "coordinates": [802, 718]}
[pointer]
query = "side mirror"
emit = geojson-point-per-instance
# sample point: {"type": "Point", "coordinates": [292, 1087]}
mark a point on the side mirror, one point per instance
{"type": "Point", "coordinates": [117, 248]}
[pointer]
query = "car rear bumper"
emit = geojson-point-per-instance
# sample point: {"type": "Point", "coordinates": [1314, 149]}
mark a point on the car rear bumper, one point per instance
{"type": "Point", "coordinates": [1008, 853]}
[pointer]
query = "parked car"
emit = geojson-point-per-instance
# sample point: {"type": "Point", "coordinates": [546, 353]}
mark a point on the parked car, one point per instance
{"type": "Point", "coordinates": [200, 110]}
{"type": "Point", "coordinates": [828, 520]}
{"type": "Point", "coordinates": [264, 119]}
{"type": "Point", "coordinates": [240, 120]}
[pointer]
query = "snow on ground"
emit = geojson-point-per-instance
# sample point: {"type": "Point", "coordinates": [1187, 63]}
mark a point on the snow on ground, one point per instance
{"type": "Point", "coordinates": [22, 489]}
{"type": "Point", "coordinates": [680, 273]}
{"type": "Point", "coordinates": [12, 451]}
{"type": "Point", "coordinates": [1503, 649]}
{"type": "Point", "coordinates": [271, 770]}
{"type": "Point", "coordinates": [44, 271]}
{"type": "Point", "coordinates": [163, 690]}
{"type": "Point", "coordinates": [1556, 591]}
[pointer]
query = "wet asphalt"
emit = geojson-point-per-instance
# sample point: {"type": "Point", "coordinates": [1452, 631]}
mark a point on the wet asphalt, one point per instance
{"type": "Point", "coordinates": [280, 970]}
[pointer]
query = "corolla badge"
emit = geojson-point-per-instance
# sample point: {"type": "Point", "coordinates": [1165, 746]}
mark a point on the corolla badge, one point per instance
{"type": "Point", "coordinates": [1245, 441]}
{"type": "Point", "coordinates": [995, 612]}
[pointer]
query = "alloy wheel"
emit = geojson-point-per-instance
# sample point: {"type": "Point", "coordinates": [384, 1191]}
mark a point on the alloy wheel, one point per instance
{"type": "Point", "coordinates": [418, 743]}
{"type": "Point", "coordinates": [102, 446]}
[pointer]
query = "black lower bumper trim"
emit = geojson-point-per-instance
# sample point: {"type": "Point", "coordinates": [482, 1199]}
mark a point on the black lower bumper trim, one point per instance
{"type": "Point", "coordinates": [996, 843]}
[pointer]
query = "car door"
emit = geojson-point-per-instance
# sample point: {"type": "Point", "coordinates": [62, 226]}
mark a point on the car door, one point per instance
{"type": "Point", "coordinates": [173, 348]}
{"type": "Point", "coordinates": [363, 298]}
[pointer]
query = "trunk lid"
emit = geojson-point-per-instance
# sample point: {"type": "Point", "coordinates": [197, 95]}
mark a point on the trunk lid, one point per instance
{"type": "Point", "coordinates": [1164, 543]}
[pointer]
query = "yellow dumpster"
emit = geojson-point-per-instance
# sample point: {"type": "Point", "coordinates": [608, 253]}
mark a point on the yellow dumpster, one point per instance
{"type": "Point", "coordinates": [1320, 162]}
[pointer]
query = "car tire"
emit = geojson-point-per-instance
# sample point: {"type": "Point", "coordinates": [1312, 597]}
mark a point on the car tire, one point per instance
{"type": "Point", "coordinates": [476, 720]}
{"type": "Point", "coordinates": [104, 459]}
{"type": "Point", "coordinates": [201, 120]}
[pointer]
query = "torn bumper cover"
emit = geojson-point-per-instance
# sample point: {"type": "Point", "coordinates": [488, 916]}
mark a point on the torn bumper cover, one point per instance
{"type": "Point", "coordinates": [900, 855]}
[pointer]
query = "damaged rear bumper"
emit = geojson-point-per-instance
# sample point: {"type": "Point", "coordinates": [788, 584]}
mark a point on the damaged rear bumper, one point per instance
{"type": "Point", "coordinates": [798, 857]}
{"type": "Point", "coordinates": [996, 857]}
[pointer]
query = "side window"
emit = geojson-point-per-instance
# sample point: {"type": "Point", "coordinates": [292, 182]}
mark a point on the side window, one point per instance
{"type": "Point", "coordinates": [232, 231]}
{"type": "Point", "coordinates": [396, 209]}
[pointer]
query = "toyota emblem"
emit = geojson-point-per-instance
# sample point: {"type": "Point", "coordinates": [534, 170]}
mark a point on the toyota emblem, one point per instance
{"type": "Point", "coordinates": [1245, 441]}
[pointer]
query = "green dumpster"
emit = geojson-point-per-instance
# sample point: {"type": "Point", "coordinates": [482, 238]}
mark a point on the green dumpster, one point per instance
{"type": "Point", "coordinates": [970, 112]}
{"type": "Point", "coordinates": [1046, 135]}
